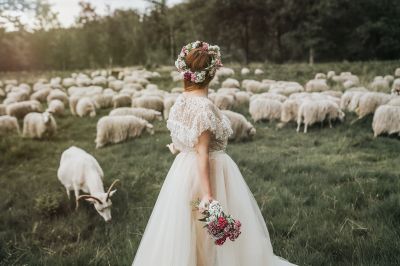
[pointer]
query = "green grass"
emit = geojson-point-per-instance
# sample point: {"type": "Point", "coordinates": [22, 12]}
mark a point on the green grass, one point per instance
{"type": "Point", "coordinates": [330, 197]}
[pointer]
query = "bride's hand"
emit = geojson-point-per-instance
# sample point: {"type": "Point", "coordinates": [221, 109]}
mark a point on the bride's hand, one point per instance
{"type": "Point", "coordinates": [205, 201]}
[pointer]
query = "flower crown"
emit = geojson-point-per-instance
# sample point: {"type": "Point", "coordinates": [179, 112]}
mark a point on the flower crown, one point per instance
{"type": "Point", "coordinates": [198, 76]}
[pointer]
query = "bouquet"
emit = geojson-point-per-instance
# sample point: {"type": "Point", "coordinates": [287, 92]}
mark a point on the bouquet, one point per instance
{"type": "Point", "coordinates": [219, 225]}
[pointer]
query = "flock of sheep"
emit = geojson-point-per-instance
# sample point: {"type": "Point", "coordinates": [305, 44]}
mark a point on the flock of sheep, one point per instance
{"type": "Point", "coordinates": [136, 102]}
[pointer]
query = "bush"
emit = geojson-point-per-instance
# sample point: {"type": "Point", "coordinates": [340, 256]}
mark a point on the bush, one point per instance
{"type": "Point", "coordinates": [49, 204]}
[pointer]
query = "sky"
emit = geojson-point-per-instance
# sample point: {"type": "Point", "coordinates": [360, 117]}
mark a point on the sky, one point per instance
{"type": "Point", "coordinates": [68, 9]}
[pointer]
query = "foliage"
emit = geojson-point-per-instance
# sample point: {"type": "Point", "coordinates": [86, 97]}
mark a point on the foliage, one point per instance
{"type": "Point", "coordinates": [247, 31]}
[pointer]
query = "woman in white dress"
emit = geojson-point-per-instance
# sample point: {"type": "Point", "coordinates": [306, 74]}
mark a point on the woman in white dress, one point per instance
{"type": "Point", "coordinates": [202, 170]}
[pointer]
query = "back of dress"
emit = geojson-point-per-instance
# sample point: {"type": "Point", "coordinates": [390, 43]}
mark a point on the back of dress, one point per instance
{"type": "Point", "coordinates": [192, 115]}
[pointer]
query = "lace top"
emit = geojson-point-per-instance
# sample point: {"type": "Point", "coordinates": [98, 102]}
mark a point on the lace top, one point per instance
{"type": "Point", "coordinates": [192, 115]}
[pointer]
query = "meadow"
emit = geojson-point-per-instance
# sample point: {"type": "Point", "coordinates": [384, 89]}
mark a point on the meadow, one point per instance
{"type": "Point", "coordinates": [329, 197]}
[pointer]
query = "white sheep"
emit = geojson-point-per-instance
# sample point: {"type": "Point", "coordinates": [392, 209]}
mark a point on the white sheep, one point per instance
{"type": "Point", "coordinates": [224, 101]}
{"type": "Point", "coordinates": [330, 74]}
{"type": "Point", "coordinates": [39, 125]}
{"type": "Point", "coordinates": [8, 125]}
{"type": "Point", "coordinates": [21, 109]}
{"type": "Point", "coordinates": [290, 109]}
{"type": "Point", "coordinates": [103, 101]}
{"type": "Point", "coordinates": [242, 98]}
{"type": "Point", "coordinates": [121, 100]}
{"type": "Point", "coordinates": [40, 95]}
{"type": "Point", "coordinates": [68, 82]}
{"type": "Point", "coordinates": [245, 71]}
{"type": "Point", "coordinates": [224, 72]}
{"type": "Point", "coordinates": [85, 107]}
{"type": "Point", "coordinates": [258, 71]}
{"type": "Point", "coordinates": [311, 111]}
{"type": "Point", "coordinates": [285, 87]}
{"type": "Point", "coordinates": [379, 84]}
{"type": "Point", "coordinates": [168, 102]}
{"type": "Point", "coordinates": [150, 102]}
{"type": "Point", "coordinates": [396, 87]}
{"type": "Point", "coordinates": [320, 76]}
{"type": "Point", "coordinates": [269, 95]}
{"type": "Point", "coordinates": [255, 86]}
{"type": "Point", "coordinates": [16, 96]}
{"type": "Point", "coordinates": [144, 113]}
{"type": "Point", "coordinates": [177, 90]}
{"type": "Point", "coordinates": [230, 83]}
{"type": "Point", "coordinates": [115, 129]}
{"type": "Point", "coordinates": [317, 85]}
{"type": "Point", "coordinates": [397, 72]}
{"type": "Point", "coordinates": [59, 95]}
{"type": "Point", "coordinates": [176, 76]}
{"type": "Point", "coordinates": [56, 107]}
{"type": "Point", "coordinates": [350, 100]}
{"type": "Point", "coordinates": [394, 102]}
{"type": "Point", "coordinates": [337, 94]}
{"type": "Point", "coordinates": [99, 81]}
{"type": "Point", "coordinates": [370, 101]}
{"type": "Point", "coordinates": [262, 108]}
{"type": "Point", "coordinates": [2, 93]}
{"type": "Point", "coordinates": [389, 79]}
{"type": "Point", "coordinates": [386, 120]}
{"type": "Point", "coordinates": [116, 85]}
{"type": "Point", "coordinates": [79, 170]}
{"type": "Point", "coordinates": [242, 129]}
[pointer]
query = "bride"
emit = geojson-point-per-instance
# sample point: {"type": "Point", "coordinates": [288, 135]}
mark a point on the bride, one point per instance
{"type": "Point", "coordinates": [202, 169]}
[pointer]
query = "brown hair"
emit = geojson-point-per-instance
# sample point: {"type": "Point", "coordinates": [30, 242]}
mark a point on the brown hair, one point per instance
{"type": "Point", "coordinates": [197, 60]}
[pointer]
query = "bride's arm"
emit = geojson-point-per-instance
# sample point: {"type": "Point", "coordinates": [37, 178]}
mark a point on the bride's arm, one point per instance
{"type": "Point", "coordinates": [202, 149]}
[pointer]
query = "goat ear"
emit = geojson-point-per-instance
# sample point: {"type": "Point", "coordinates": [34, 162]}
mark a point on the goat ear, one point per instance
{"type": "Point", "coordinates": [92, 201]}
{"type": "Point", "coordinates": [112, 192]}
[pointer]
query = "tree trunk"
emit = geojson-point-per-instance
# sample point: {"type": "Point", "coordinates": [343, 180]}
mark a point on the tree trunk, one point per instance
{"type": "Point", "coordinates": [311, 56]}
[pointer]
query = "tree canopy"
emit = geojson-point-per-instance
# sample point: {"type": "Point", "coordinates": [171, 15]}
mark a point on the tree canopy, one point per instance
{"type": "Point", "coordinates": [246, 30]}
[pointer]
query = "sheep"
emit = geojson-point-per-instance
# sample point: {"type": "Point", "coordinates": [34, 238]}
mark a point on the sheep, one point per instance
{"type": "Point", "coordinates": [177, 90]}
{"type": "Point", "coordinates": [116, 85]}
{"type": "Point", "coordinates": [16, 96]}
{"type": "Point", "coordinates": [337, 94]}
{"type": "Point", "coordinates": [317, 85]}
{"type": "Point", "coordinates": [73, 101]}
{"type": "Point", "coordinates": [286, 88]}
{"type": "Point", "coordinates": [290, 109]}
{"type": "Point", "coordinates": [20, 109]}
{"type": "Point", "coordinates": [40, 95]}
{"type": "Point", "coordinates": [109, 91]}
{"type": "Point", "coordinates": [168, 102]}
{"type": "Point", "coordinates": [214, 82]}
{"type": "Point", "coordinates": [99, 81]}
{"type": "Point", "coordinates": [242, 98]}
{"type": "Point", "coordinates": [55, 82]}
{"type": "Point", "coordinates": [115, 129]}
{"type": "Point", "coordinates": [230, 83]}
{"type": "Point", "coordinates": [224, 101]}
{"type": "Point", "coordinates": [269, 95]}
{"type": "Point", "coordinates": [245, 71]}
{"type": "Point", "coordinates": [39, 125]}
{"type": "Point", "coordinates": [85, 91]}
{"type": "Point", "coordinates": [262, 108]}
{"type": "Point", "coordinates": [258, 71]}
{"type": "Point", "coordinates": [394, 102]}
{"type": "Point", "coordinates": [320, 76]}
{"type": "Point", "coordinates": [85, 107]}
{"type": "Point", "coordinates": [350, 100]}
{"type": "Point", "coordinates": [3, 109]}
{"type": "Point", "coordinates": [150, 102]}
{"type": "Point", "coordinates": [370, 101]}
{"type": "Point", "coordinates": [396, 87]}
{"type": "Point", "coordinates": [397, 72]}
{"type": "Point", "coordinates": [176, 76]}
{"type": "Point", "coordinates": [144, 113]}
{"type": "Point", "coordinates": [2, 93]}
{"type": "Point", "coordinates": [83, 80]}
{"type": "Point", "coordinates": [59, 95]}
{"type": "Point", "coordinates": [68, 82]}
{"type": "Point", "coordinates": [121, 100]}
{"type": "Point", "coordinates": [255, 86]}
{"type": "Point", "coordinates": [389, 79]}
{"type": "Point", "coordinates": [380, 84]}
{"type": "Point", "coordinates": [8, 125]}
{"type": "Point", "coordinates": [224, 72]}
{"type": "Point", "coordinates": [56, 107]}
{"type": "Point", "coordinates": [242, 129]}
{"type": "Point", "coordinates": [79, 170]}
{"type": "Point", "coordinates": [311, 112]}
{"type": "Point", "coordinates": [102, 101]}
{"type": "Point", "coordinates": [330, 74]}
{"type": "Point", "coordinates": [386, 120]}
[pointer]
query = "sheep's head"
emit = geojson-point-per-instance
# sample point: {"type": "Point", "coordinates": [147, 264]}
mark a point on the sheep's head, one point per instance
{"type": "Point", "coordinates": [102, 201]}
{"type": "Point", "coordinates": [47, 116]}
{"type": "Point", "coordinates": [251, 131]}
{"type": "Point", "coordinates": [159, 116]}
{"type": "Point", "coordinates": [341, 115]}
{"type": "Point", "coordinates": [150, 129]}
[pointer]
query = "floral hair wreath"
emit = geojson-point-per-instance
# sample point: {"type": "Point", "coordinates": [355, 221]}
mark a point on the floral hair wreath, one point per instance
{"type": "Point", "coordinates": [198, 76]}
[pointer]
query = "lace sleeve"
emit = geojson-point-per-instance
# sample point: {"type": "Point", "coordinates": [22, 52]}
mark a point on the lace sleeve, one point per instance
{"type": "Point", "coordinates": [188, 120]}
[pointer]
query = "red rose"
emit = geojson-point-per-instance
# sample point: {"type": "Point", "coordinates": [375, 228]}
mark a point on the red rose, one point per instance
{"type": "Point", "coordinates": [220, 241]}
{"type": "Point", "coordinates": [222, 222]}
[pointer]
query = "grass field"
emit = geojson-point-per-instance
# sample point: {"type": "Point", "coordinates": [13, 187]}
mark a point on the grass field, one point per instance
{"type": "Point", "coordinates": [330, 197]}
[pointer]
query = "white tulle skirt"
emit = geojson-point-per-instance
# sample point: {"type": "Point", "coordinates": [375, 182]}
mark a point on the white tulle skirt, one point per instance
{"type": "Point", "coordinates": [174, 236]}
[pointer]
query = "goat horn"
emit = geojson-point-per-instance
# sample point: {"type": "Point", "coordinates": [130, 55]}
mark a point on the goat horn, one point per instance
{"type": "Point", "coordinates": [109, 189]}
{"type": "Point", "coordinates": [89, 197]}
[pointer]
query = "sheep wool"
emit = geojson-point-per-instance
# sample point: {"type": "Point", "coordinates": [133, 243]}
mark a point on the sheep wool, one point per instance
{"type": "Point", "coordinates": [115, 129]}
{"type": "Point", "coordinates": [21, 109]}
{"type": "Point", "coordinates": [143, 113]}
{"type": "Point", "coordinates": [8, 125]}
{"type": "Point", "coordinates": [242, 129]}
{"type": "Point", "coordinates": [39, 125]}
{"type": "Point", "coordinates": [386, 120]}
{"type": "Point", "coordinates": [262, 108]}
{"type": "Point", "coordinates": [85, 107]}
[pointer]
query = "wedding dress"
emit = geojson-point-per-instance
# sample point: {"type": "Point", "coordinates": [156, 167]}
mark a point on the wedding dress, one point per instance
{"type": "Point", "coordinates": [174, 236]}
